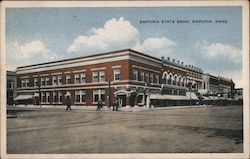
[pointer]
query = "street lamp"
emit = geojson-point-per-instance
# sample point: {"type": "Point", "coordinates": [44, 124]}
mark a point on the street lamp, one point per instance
{"type": "Point", "coordinates": [109, 93]}
{"type": "Point", "coordinates": [189, 85]}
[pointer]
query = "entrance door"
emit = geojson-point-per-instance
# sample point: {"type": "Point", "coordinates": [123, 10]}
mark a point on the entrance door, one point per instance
{"type": "Point", "coordinates": [122, 100]}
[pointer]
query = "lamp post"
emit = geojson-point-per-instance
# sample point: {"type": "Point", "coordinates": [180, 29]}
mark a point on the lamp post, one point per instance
{"type": "Point", "coordinates": [109, 93]}
{"type": "Point", "coordinates": [39, 89]}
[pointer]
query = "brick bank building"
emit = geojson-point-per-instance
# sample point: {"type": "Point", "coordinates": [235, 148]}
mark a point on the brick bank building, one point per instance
{"type": "Point", "coordinates": [134, 78]}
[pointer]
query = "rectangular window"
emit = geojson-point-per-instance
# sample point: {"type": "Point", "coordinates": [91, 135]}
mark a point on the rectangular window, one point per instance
{"type": "Point", "coordinates": [80, 96]}
{"type": "Point", "coordinates": [117, 75]}
{"type": "Point", "coordinates": [35, 82]}
{"type": "Point", "coordinates": [23, 83]}
{"type": "Point", "coordinates": [59, 80]}
{"type": "Point", "coordinates": [54, 80]}
{"type": "Point", "coordinates": [47, 97]}
{"type": "Point", "coordinates": [141, 76]}
{"type": "Point", "coordinates": [101, 76]}
{"type": "Point", "coordinates": [83, 96]}
{"type": "Point", "coordinates": [147, 77]}
{"type": "Point", "coordinates": [157, 79]}
{"type": "Point", "coordinates": [135, 75]}
{"type": "Point", "coordinates": [95, 95]}
{"type": "Point", "coordinates": [77, 79]}
{"type": "Point", "coordinates": [102, 95]}
{"type": "Point", "coordinates": [151, 78]}
{"type": "Point", "coordinates": [27, 83]}
{"type": "Point", "coordinates": [77, 96]}
{"type": "Point", "coordinates": [99, 94]}
{"type": "Point", "coordinates": [83, 77]}
{"type": "Point", "coordinates": [55, 97]}
{"type": "Point", "coordinates": [47, 81]}
{"type": "Point", "coordinates": [95, 76]}
{"type": "Point", "coordinates": [43, 97]}
{"type": "Point", "coordinates": [60, 97]}
{"type": "Point", "coordinates": [68, 79]}
{"type": "Point", "coordinates": [42, 81]}
{"type": "Point", "coordinates": [10, 84]}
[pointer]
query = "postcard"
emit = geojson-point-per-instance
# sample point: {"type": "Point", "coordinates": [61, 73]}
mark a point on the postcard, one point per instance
{"type": "Point", "coordinates": [125, 79]}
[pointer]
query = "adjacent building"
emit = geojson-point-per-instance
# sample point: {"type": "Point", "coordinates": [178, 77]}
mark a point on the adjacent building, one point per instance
{"type": "Point", "coordinates": [135, 78]}
{"type": "Point", "coordinates": [11, 84]}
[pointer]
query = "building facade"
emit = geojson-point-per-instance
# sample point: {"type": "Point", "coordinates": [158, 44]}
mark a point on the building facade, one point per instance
{"type": "Point", "coordinates": [132, 77]}
{"type": "Point", "coordinates": [11, 84]}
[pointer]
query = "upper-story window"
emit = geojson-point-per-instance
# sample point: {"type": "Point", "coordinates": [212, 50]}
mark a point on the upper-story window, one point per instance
{"type": "Point", "coordinates": [10, 84]}
{"type": "Point", "coordinates": [95, 76]}
{"type": "Point", "coordinates": [57, 80]}
{"type": "Point", "coordinates": [68, 79]}
{"type": "Point", "coordinates": [157, 79]}
{"type": "Point", "coordinates": [101, 76]}
{"type": "Point", "coordinates": [46, 81]}
{"type": "Point", "coordinates": [83, 77]}
{"type": "Point", "coordinates": [135, 75]}
{"type": "Point", "coordinates": [141, 76]}
{"type": "Point", "coordinates": [117, 75]}
{"type": "Point", "coordinates": [151, 78]}
{"type": "Point", "coordinates": [77, 78]}
{"type": "Point", "coordinates": [170, 79]}
{"type": "Point", "coordinates": [35, 82]}
{"type": "Point", "coordinates": [54, 78]}
{"type": "Point", "coordinates": [80, 78]}
{"type": "Point", "coordinates": [42, 81]}
{"type": "Point", "coordinates": [175, 80]}
{"type": "Point", "coordinates": [23, 83]}
{"type": "Point", "coordinates": [146, 77]}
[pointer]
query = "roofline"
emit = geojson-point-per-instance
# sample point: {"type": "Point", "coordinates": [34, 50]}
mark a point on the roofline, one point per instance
{"type": "Point", "coordinates": [75, 58]}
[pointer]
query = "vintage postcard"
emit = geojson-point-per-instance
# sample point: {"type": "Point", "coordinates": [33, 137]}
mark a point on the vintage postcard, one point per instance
{"type": "Point", "coordinates": [126, 79]}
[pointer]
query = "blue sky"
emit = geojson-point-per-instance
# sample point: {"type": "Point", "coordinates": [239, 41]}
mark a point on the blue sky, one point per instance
{"type": "Point", "coordinates": [35, 35]}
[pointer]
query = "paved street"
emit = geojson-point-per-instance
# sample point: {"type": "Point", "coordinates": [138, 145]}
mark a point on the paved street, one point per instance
{"type": "Point", "coordinates": [209, 129]}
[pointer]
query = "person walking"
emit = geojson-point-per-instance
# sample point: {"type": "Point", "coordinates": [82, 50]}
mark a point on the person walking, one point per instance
{"type": "Point", "coordinates": [68, 103]}
{"type": "Point", "coordinates": [99, 105]}
{"type": "Point", "coordinates": [116, 104]}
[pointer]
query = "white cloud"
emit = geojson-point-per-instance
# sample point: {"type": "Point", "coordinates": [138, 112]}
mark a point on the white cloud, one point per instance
{"type": "Point", "coordinates": [217, 49]}
{"type": "Point", "coordinates": [114, 34]}
{"type": "Point", "coordinates": [120, 34]}
{"type": "Point", "coordinates": [157, 46]}
{"type": "Point", "coordinates": [29, 53]}
{"type": "Point", "coordinates": [33, 48]}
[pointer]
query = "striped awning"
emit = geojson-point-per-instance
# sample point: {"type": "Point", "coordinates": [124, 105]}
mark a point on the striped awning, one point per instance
{"type": "Point", "coordinates": [23, 97]}
{"type": "Point", "coordinates": [175, 97]}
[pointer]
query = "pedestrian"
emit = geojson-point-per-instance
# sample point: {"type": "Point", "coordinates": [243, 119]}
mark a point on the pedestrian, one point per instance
{"type": "Point", "coordinates": [116, 104]}
{"type": "Point", "coordinates": [68, 103]}
{"type": "Point", "coordinates": [99, 105]}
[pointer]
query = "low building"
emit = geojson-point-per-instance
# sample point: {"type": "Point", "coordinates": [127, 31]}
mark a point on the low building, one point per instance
{"type": "Point", "coordinates": [11, 84]}
{"type": "Point", "coordinates": [134, 78]}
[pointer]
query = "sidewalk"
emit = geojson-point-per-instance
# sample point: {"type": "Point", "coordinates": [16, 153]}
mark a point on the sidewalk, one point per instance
{"type": "Point", "coordinates": [105, 108]}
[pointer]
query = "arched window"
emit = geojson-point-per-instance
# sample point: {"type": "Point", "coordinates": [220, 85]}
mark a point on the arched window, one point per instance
{"type": "Point", "coordinates": [179, 81]}
{"type": "Point", "coordinates": [175, 80]}
{"type": "Point", "coordinates": [184, 82]}
{"type": "Point", "coordinates": [170, 79]}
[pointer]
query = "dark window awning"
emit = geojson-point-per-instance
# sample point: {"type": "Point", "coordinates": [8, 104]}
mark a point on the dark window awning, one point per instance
{"type": "Point", "coordinates": [23, 97]}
